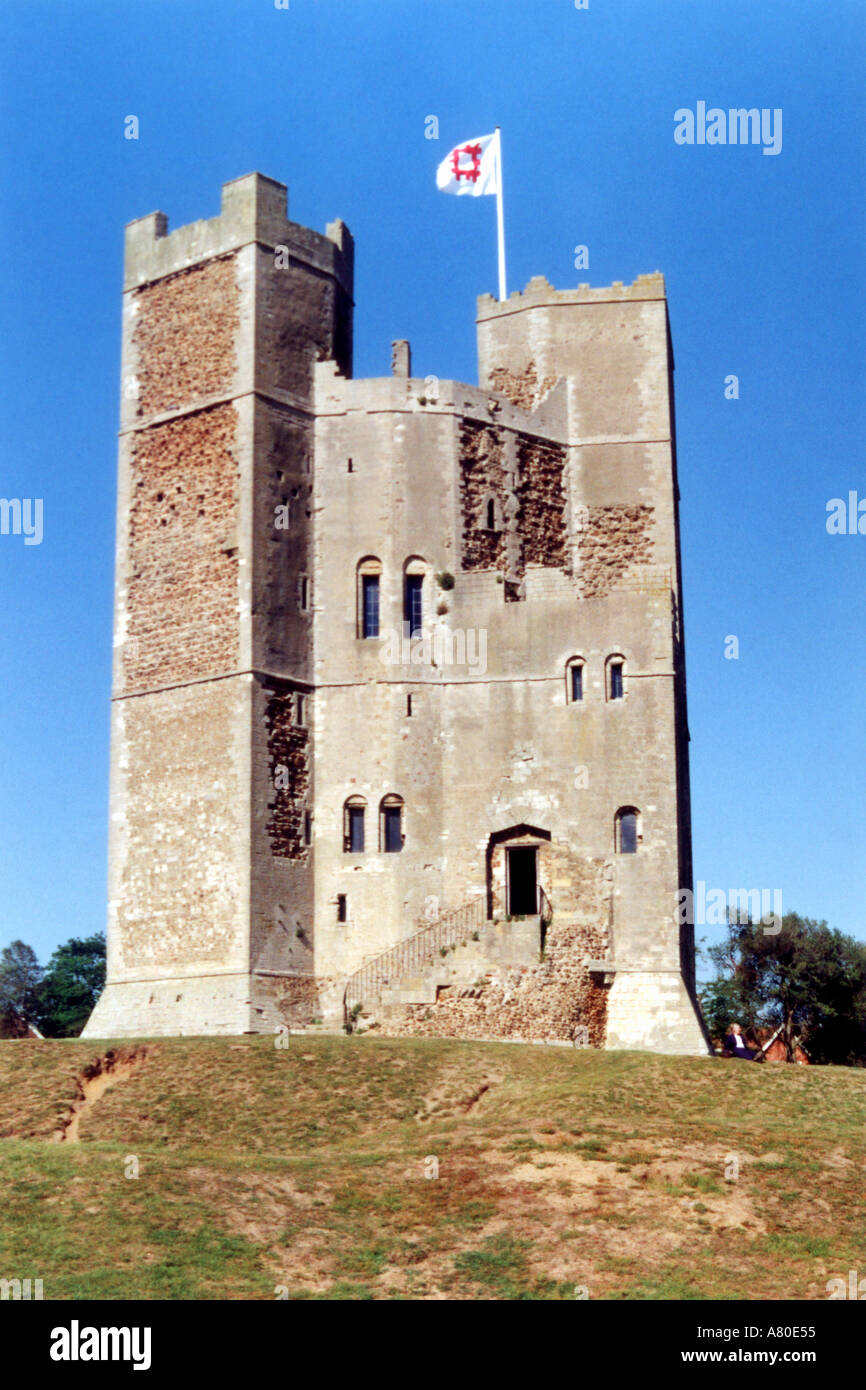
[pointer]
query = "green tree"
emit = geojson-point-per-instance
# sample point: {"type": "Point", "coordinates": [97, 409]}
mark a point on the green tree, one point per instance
{"type": "Point", "coordinates": [73, 982]}
{"type": "Point", "coordinates": [20, 976]}
{"type": "Point", "coordinates": [805, 978]}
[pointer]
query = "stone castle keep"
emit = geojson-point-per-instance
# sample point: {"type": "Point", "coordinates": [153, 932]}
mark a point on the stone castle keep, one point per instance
{"type": "Point", "coordinates": [399, 718]}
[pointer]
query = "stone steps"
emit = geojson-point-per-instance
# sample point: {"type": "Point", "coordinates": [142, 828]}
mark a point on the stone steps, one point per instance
{"type": "Point", "coordinates": [462, 967]}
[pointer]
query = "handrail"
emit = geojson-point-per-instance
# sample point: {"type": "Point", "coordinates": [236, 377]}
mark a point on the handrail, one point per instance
{"type": "Point", "coordinates": [417, 949]}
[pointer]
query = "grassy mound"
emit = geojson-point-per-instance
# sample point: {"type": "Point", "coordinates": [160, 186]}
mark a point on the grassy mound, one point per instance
{"type": "Point", "coordinates": [419, 1168]}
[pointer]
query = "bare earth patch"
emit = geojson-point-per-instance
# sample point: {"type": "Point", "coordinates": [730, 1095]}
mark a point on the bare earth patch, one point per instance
{"type": "Point", "coordinates": [116, 1065]}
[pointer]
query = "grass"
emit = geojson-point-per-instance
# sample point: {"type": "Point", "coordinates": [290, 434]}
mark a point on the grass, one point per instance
{"type": "Point", "coordinates": [306, 1172]}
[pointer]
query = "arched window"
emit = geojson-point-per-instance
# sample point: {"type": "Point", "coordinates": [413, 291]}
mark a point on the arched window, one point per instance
{"type": "Point", "coordinates": [491, 514]}
{"type": "Point", "coordinates": [574, 680]}
{"type": "Point", "coordinates": [414, 573]}
{"type": "Point", "coordinates": [367, 596]}
{"type": "Point", "coordinates": [354, 811]}
{"type": "Point", "coordinates": [615, 677]}
{"type": "Point", "coordinates": [627, 830]}
{"type": "Point", "coordinates": [391, 834]}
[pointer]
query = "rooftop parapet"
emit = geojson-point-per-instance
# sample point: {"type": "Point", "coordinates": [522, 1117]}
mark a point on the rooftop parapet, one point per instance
{"type": "Point", "coordinates": [254, 208]}
{"type": "Point", "coordinates": [540, 293]}
{"type": "Point", "coordinates": [340, 395]}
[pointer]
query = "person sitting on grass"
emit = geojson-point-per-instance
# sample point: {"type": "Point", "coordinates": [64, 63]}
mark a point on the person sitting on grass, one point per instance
{"type": "Point", "coordinates": [735, 1043]}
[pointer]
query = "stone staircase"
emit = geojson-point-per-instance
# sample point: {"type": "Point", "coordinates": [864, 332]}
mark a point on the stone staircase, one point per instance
{"type": "Point", "coordinates": [453, 952]}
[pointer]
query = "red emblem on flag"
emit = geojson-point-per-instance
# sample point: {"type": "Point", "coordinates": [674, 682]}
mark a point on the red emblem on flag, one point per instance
{"type": "Point", "coordinates": [472, 172]}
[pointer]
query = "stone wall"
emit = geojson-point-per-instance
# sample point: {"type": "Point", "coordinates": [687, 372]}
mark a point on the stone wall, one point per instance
{"type": "Point", "coordinates": [482, 480]}
{"type": "Point", "coordinates": [282, 507]}
{"type": "Point", "coordinates": [613, 542]}
{"type": "Point", "coordinates": [181, 842]}
{"type": "Point", "coordinates": [522, 388]}
{"type": "Point", "coordinates": [540, 519]}
{"type": "Point", "coordinates": [284, 1001]}
{"type": "Point", "coordinates": [184, 336]}
{"type": "Point", "coordinates": [289, 770]}
{"type": "Point", "coordinates": [522, 478]}
{"type": "Point", "coordinates": [548, 1001]}
{"type": "Point", "coordinates": [182, 549]}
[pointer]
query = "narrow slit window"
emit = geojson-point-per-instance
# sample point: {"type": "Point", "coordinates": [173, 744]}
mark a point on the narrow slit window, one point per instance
{"type": "Point", "coordinates": [491, 515]}
{"type": "Point", "coordinates": [341, 907]}
{"type": "Point", "coordinates": [576, 684]}
{"type": "Point", "coordinates": [351, 466]}
{"type": "Point", "coordinates": [616, 684]}
{"type": "Point", "coordinates": [413, 608]}
{"type": "Point", "coordinates": [308, 828]}
{"type": "Point", "coordinates": [409, 706]}
{"type": "Point", "coordinates": [370, 603]}
{"type": "Point", "coordinates": [305, 594]}
{"type": "Point", "coordinates": [302, 709]}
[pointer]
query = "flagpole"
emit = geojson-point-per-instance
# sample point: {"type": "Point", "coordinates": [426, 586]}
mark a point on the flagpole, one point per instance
{"type": "Point", "coordinates": [500, 219]}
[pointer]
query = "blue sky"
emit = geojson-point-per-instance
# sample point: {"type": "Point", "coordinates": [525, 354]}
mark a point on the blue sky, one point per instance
{"type": "Point", "coordinates": [764, 263]}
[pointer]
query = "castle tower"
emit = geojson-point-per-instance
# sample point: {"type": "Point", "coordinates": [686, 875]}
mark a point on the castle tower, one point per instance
{"type": "Point", "coordinates": [396, 658]}
{"type": "Point", "coordinates": [613, 348]}
{"type": "Point", "coordinates": [223, 322]}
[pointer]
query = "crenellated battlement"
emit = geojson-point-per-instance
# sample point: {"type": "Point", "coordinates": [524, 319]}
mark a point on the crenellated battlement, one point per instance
{"type": "Point", "coordinates": [540, 293]}
{"type": "Point", "coordinates": [254, 209]}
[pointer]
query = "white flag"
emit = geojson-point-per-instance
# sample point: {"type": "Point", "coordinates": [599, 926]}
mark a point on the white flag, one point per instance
{"type": "Point", "coordinates": [472, 167]}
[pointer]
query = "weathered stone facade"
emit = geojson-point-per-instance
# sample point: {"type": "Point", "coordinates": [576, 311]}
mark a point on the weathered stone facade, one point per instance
{"type": "Point", "coordinates": [348, 618]}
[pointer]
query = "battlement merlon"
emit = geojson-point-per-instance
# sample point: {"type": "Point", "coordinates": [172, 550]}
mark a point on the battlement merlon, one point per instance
{"type": "Point", "coordinates": [254, 209]}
